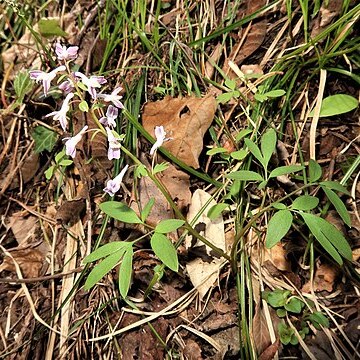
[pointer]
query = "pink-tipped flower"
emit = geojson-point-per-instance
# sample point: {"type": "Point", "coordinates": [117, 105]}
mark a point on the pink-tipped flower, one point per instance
{"type": "Point", "coordinates": [67, 86]}
{"type": "Point", "coordinates": [111, 114]}
{"type": "Point", "coordinates": [113, 97]}
{"type": "Point", "coordinates": [45, 77]}
{"type": "Point", "coordinates": [91, 83]}
{"type": "Point", "coordinates": [64, 53]}
{"type": "Point", "coordinates": [71, 142]}
{"type": "Point", "coordinates": [61, 114]}
{"type": "Point", "coordinates": [160, 135]}
{"type": "Point", "coordinates": [114, 145]}
{"type": "Point", "coordinates": [113, 186]}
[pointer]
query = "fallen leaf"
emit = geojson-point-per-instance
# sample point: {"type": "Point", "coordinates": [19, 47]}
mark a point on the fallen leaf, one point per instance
{"type": "Point", "coordinates": [30, 261]}
{"type": "Point", "coordinates": [270, 351]}
{"type": "Point", "coordinates": [23, 228]}
{"type": "Point", "coordinates": [213, 60]}
{"type": "Point", "coordinates": [324, 279]}
{"type": "Point", "coordinates": [260, 331]}
{"type": "Point", "coordinates": [185, 121]}
{"type": "Point", "coordinates": [202, 273]}
{"type": "Point", "coordinates": [277, 255]}
{"type": "Point", "coordinates": [192, 350]}
{"type": "Point", "coordinates": [70, 211]}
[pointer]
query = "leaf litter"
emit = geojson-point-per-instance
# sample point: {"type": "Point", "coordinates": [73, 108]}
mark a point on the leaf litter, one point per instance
{"type": "Point", "coordinates": [187, 121]}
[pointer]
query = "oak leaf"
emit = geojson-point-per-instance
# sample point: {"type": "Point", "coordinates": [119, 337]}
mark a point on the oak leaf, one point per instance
{"type": "Point", "coordinates": [185, 121]}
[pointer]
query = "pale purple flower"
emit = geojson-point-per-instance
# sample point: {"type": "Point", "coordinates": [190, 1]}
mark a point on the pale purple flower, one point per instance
{"type": "Point", "coordinates": [91, 83]}
{"type": "Point", "coordinates": [64, 53]}
{"type": "Point", "coordinates": [114, 145]}
{"type": "Point", "coordinates": [71, 142]}
{"type": "Point", "coordinates": [160, 135]}
{"type": "Point", "coordinates": [45, 77]}
{"type": "Point", "coordinates": [113, 97]}
{"type": "Point", "coordinates": [111, 114]}
{"type": "Point", "coordinates": [113, 186]}
{"type": "Point", "coordinates": [61, 114]}
{"type": "Point", "coordinates": [67, 86]}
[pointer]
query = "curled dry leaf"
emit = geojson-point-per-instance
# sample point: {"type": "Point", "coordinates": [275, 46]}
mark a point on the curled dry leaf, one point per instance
{"type": "Point", "coordinates": [204, 274]}
{"type": "Point", "coordinates": [23, 228]}
{"type": "Point", "coordinates": [260, 332]}
{"type": "Point", "coordinates": [324, 279]}
{"type": "Point", "coordinates": [29, 260]}
{"type": "Point", "coordinates": [185, 120]}
{"type": "Point", "coordinates": [278, 257]}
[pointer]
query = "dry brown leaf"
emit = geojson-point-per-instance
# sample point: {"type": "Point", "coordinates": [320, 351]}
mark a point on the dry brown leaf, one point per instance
{"type": "Point", "coordinates": [203, 274]}
{"type": "Point", "coordinates": [213, 60]}
{"type": "Point", "coordinates": [269, 353]}
{"type": "Point", "coordinates": [185, 120]}
{"type": "Point", "coordinates": [70, 211]}
{"type": "Point", "coordinates": [260, 331]}
{"type": "Point", "coordinates": [23, 228]}
{"type": "Point", "coordinates": [30, 261]}
{"type": "Point", "coordinates": [277, 256]}
{"type": "Point", "coordinates": [324, 279]}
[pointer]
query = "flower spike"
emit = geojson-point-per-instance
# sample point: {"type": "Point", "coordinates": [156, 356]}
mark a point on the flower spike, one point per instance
{"type": "Point", "coordinates": [111, 114]}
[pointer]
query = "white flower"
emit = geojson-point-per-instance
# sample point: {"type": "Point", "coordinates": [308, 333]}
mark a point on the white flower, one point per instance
{"type": "Point", "coordinates": [114, 145]}
{"type": "Point", "coordinates": [64, 53]}
{"type": "Point", "coordinates": [91, 83]}
{"type": "Point", "coordinates": [113, 97]}
{"type": "Point", "coordinates": [61, 114]}
{"type": "Point", "coordinates": [71, 142]}
{"type": "Point", "coordinates": [111, 114]}
{"type": "Point", "coordinates": [160, 135]}
{"type": "Point", "coordinates": [113, 186]}
{"type": "Point", "coordinates": [45, 77]}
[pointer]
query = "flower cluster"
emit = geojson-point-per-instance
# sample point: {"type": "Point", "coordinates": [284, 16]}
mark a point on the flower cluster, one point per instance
{"type": "Point", "coordinates": [72, 83]}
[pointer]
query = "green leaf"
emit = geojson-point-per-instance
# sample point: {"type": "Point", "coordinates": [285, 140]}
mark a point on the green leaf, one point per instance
{"type": "Point", "coordinates": [59, 156]}
{"type": "Point", "coordinates": [254, 149]}
{"type": "Point", "coordinates": [106, 250]}
{"type": "Point", "coordinates": [101, 269]}
{"type": "Point", "coordinates": [274, 93]}
{"type": "Point", "coordinates": [81, 86]}
{"type": "Point", "coordinates": [278, 227]}
{"type": "Point", "coordinates": [294, 339]}
{"type": "Point", "coordinates": [285, 333]}
{"type": "Point", "coordinates": [245, 175]}
{"type": "Point", "coordinates": [339, 205]}
{"type": "Point", "coordinates": [83, 106]}
{"type": "Point", "coordinates": [216, 210]}
{"type": "Point", "coordinates": [242, 133]}
{"type": "Point", "coordinates": [281, 312]}
{"type": "Point", "coordinates": [165, 251]}
{"type": "Point", "coordinates": [125, 272]}
{"type": "Point", "coordinates": [278, 297]}
{"type": "Point", "coordinates": [294, 305]}
{"type": "Point", "coordinates": [65, 162]}
{"type": "Point", "coordinates": [147, 209]}
{"type": "Point", "coordinates": [160, 167]}
{"type": "Point", "coordinates": [215, 151]}
{"type": "Point", "coordinates": [283, 170]}
{"type": "Point", "coordinates": [140, 171]}
{"type": "Point", "coordinates": [317, 319]}
{"type": "Point", "coordinates": [22, 85]}
{"type": "Point", "coordinates": [239, 155]}
{"type": "Point", "coordinates": [260, 97]}
{"type": "Point", "coordinates": [50, 27]}
{"type": "Point", "coordinates": [315, 171]}
{"type": "Point", "coordinates": [336, 105]}
{"type": "Point", "coordinates": [120, 211]}
{"type": "Point", "coordinates": [231, 84]}
{"type": "Point", "coordinates": [50, 172]}
{"type": "Point", "coordinates": [279, 206]}
{"type": "Point", "coordinates": [305, 202]}
{"type": "Point", "coordinates": [224, 97]}
{"type": "Point", "coordinates": [328, 236]}
{"type": "Point", "coordinates": [268, 145]}
{"type": "Point", "coordinates": [45, 139]}
{"type": "Point", "coordinates": [334, 185]}
{"type": "Point", "coordinates": [169, 225]}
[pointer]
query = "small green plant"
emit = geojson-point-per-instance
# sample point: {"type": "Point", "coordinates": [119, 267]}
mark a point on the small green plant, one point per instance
{"type": "Point", "coordinates": [61, 162]}
{"type": "Point", "coordinates": [288, 306]}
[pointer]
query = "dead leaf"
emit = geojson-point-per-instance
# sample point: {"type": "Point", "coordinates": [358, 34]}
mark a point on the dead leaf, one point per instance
{"type": "Point", "coordinates": [260, 331]}
{"type": "Point", "coordinates": [70, 211]}
{"type": "Point", "coordinates": [30, 261]}
{"type": "Point", "coordinates": [203, 274]}
{"type": "Point", "coordinates": [269, 353]}
{"type": "Point", "coordinates": [24, 229]}
{"type": "Point", "coordinates": [192, 350]}
{"type": "Point", "coordinates": [324, 279]}
{"type": "Point", "coordinates": [277, 255]}
{"type": "Point", "coordinates": [213, 60]}
{"type": "Point", "coordinates": [185, 120]}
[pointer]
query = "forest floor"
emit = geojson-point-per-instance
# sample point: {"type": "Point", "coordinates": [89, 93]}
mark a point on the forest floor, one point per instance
{"type": "Point", "coordinates": [232, 230]}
